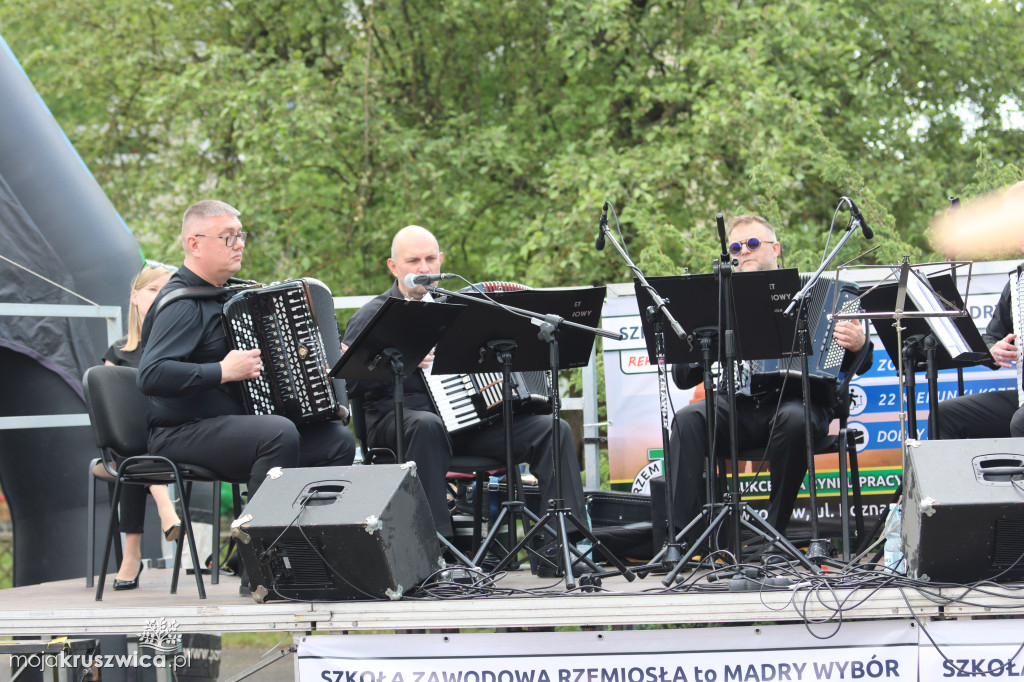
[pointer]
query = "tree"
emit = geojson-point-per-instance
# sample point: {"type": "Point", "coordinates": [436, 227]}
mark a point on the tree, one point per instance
{"type": "Point", "coordinates": [503, 124]}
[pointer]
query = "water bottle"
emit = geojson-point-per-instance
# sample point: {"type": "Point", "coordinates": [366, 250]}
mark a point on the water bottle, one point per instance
{"type": "Point", "coordinates": [892, 557]}
{"type": "Point", "coordinates": [584, 545]}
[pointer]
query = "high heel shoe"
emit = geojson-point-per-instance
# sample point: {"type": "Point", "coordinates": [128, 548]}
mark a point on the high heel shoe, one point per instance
{"type": "Point", "coordinates": [128, 584]}
{"type": "Point", "coordinates": [173, 533]}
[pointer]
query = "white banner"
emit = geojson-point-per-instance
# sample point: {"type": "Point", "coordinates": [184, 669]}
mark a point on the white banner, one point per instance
{"type": "Point", "coordinates": [857, 651]}
{"type": "Point", "coordinates": [977, 649]}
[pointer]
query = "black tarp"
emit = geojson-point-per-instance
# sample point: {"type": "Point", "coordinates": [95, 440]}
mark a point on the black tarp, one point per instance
{"type": "Point", "coordinates": [55, 223]}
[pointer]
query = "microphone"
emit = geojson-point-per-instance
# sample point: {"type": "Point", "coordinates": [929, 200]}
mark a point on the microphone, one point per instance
{"type": "Point", "coordinates": [599, 242]}
{"type": "Point", "coordinates": [720, 219]}
{"type": "Point", "coordinates": [855, 212]}
{"type": "Point", "coordinates": [412, 280]}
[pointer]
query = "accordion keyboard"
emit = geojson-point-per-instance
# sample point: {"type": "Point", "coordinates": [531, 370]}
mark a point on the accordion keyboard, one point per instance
{"type": "Point", "coordinates": [467, 400]}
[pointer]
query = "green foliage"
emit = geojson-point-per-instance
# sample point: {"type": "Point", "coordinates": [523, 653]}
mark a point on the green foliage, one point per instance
{"type": "Point", "coordinates": [502, 125]}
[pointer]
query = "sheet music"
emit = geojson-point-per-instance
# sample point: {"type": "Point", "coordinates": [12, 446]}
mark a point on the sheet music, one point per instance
{"type": "Point", "coordinates": [1015, 309]}
{"type": "Point", "coordinates": [943, 327]}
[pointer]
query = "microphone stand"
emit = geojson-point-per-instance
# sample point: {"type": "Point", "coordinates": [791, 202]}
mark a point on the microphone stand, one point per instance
{"type": "Point", "coordinates": [557, 513]}
{"type": "Point", "coordinates": [658, 312]}
{"type": "Point", "coordinates": [734, 509]}
{"type": "Point", "coordinates": [817, 550]}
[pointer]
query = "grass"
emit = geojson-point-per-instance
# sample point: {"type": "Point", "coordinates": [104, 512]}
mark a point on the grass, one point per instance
{"type": "Point", "coordinates": [6, 560]}
{"type": "Point", "coordinates": [252, 640]}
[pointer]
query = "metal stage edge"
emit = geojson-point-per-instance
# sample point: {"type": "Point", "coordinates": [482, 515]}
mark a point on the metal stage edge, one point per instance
{"type": "Point", "coordinates": [68, 608]}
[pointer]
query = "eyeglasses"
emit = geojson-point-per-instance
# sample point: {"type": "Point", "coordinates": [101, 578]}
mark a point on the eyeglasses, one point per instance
{"type": "Point", "coordinates": [753, 244]}
{"type": "Point", "coordinates": [229, 239]}
{"type": "Point", "coordinates": [157, 264]}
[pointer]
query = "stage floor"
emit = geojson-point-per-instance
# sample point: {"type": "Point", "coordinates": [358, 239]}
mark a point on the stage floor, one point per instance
{"type": "Point", "coordinates": [517, 600]}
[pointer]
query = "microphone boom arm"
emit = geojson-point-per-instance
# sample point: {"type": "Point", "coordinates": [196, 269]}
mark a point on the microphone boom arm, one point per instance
{"type": "Point", "coordinates": [536, 318]}
{"type": "Point", "coordinates": [799, 296]}
{"type": "Point", "coordinates": [659, 302]}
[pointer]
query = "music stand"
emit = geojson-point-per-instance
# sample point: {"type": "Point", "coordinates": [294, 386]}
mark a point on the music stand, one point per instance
{"type": "Point", "coordinates": [494, 336]}
{"type": "Point", "coordinates": [760, 333]}
{"type": "Point", "coordinates": [491, 339]}
{"type": "Point", "coordinates": [763, 333]}
{"type": "Point", "coordinates": [897, 286]}
{"type": "Point", "coordinates": [385, 350]}
{"type": "Point", "coordinates": [929, 343]}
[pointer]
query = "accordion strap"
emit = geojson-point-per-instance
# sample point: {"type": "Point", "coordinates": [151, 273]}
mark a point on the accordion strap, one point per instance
{"type": "Point", "coordinates": [235, 285]}
{"type": "Point", "coordinates": [190, 292]}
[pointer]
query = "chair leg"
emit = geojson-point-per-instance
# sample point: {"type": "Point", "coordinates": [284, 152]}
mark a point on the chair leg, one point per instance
{"type": "Point", "coordinates": [187, 519]}
{"type": "Point", "coordinates": [858, 509]}
{"type": "Point", "coordinates": [111, 529]}
{"type": "Point", "coordinates": [180, 545]}
{"type": "Point", "coordinates": [90, 528]}
{"type": "Point", "coordinates": [236, 508]}
{"type": "Point", "coordinates": [118, 549]}
{"type": "Point", "coordinates": [236, 499]}
{"type": "Point", "coordinates": [215, 553]}
{"type": "Point", "coordinates": [844, 491]}
{"type": "Point", "coordinates": [478, 510]}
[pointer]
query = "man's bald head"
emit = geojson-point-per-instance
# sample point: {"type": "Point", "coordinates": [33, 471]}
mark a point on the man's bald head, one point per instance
{"type": "Point", "coordinates": [414, 250]}
{"type": "Point", "coordinates": [411, 233]}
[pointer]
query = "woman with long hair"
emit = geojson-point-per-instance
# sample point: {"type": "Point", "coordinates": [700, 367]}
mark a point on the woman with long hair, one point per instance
{"type": "Point", "coordinates": [127, 352]}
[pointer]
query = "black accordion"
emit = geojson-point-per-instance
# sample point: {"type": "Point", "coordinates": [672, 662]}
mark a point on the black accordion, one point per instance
{"type": "Point", "coordinates": [469, 401]}
{"type": "Point", "coordinates": [827, 297]}
{"type": "Point", "coordinates": [280, 320]}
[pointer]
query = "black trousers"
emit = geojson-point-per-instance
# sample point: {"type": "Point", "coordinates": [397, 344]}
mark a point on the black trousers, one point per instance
{"type": "Point", "coordinates": [132, 508]}
{"type": "Point", "coordinates": [979, 415]}
{"type": "Point", "coordinates": [246, 447]}
{"type": "Point", "coordinates": [428, 443]}
{"type": "Point", "coordinates": [787, 452]}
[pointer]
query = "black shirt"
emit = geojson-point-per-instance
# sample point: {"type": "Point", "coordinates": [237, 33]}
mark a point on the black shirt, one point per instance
{"type": "Point", "coordinates": [1001, 323]}
{"type": "Point", "coordinates": [116, 355]}
{"type": "Point", "coordinates": [377, 396]}
{"type": "Point", "coordinates": [180, 368]}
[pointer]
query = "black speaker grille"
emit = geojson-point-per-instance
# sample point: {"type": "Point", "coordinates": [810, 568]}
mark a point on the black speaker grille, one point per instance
{"type": "Point", "coordinates": [304, 566]}
{"type": "Point", "coordinates": [1008, 548]}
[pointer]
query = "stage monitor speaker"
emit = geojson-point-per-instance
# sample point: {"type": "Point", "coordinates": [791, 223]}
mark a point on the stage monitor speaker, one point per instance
{"type": "Point", "coordinates": [334, 533]}
{"type": "Point", "coordinates": [963, 510]}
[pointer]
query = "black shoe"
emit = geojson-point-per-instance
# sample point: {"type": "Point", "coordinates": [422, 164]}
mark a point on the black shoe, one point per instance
{"type": "Point", "coordinates": [128, 584]}
{"type": "Point", "coordinates": [491, 561]}
{"type": "Point", "coordinates": [173, 533]}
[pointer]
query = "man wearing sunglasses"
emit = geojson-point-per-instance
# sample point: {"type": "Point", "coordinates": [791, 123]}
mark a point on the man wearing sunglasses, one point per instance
{"type": "Point", "coordinates": [189, 374]}
{"type": "Point", "coordinates": [762, 419]}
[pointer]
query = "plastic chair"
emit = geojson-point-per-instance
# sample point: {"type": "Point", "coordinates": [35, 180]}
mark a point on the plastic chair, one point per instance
{"type": "Point", "coordinates": [117, 412]}
{"type": "Point", "coordinates": [844, 441]}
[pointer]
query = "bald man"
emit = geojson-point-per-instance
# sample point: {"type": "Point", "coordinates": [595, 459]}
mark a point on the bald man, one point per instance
{"type": "Point", "coordinates": [414, 250]}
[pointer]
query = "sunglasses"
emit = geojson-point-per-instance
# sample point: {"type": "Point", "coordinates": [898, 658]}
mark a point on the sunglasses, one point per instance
{"type": "Point", "coordinates": [753, 244]}
{"type": "Point", "coordinates": [157, 264]}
